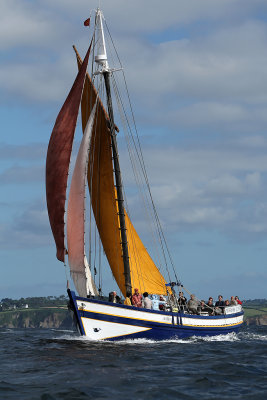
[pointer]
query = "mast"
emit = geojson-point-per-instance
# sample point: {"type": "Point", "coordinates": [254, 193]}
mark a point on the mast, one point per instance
{"type": "Point", "coordinates": [101, 58]}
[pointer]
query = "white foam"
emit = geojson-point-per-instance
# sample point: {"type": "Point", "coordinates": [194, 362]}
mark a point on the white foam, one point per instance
{"type": "Point", "coordinates": [76, 337]}
{"type": "Point", "coordinates": [72, 337]}
{"type": "Point", "coordinates": [253, 336]}
{"type": "Point", "coordinates": [229, 337]}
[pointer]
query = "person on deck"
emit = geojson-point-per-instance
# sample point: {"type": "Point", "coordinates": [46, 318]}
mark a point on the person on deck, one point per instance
{"type": "Point", "coordinates": [137, 298]}
{"type": "Point", "coordinates": [233, 301]}
{"type": "Point", "coordinates": [210, 302]}
{"type": "Point", "coordinates": [147, 303]}
{"type": "Point", "coordinates": [127, 300]}
{"type": "Point", "coordinates": [210, 306]}
{"type": "Point", "coordinates": [182, 301]}
{"type": "Point", "coordinates": [237, 300]}
{"type": "Point", "coordinates": [219, 305]}
{"type": "Point", "coordinates": [227, 303]}
{"type": "Point", "coordinates": [192, 304]}
{"type": "Point", "coordinates": [202, 308]}
{"type": "Point", "coordinates": [162, 303]}
{"type": "Point", "coordinates": [112, 297]}
{"type": "Point", "coordinates": [220, 302]}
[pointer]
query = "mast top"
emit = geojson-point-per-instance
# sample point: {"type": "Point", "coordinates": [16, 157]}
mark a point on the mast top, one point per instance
{"type": "Point", "coordinates": [101, 54]}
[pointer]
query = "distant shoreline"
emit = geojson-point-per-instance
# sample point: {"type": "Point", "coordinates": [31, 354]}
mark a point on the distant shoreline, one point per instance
{"type": "Point", "coordinates": [58, 317]}
{"type": "Point", "coordinates": [45, 317]}
{"type": "Point", "coordinates": [52, 312]}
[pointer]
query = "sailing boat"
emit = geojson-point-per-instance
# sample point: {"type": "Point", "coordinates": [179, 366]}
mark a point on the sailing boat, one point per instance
{"type": "Point", "coordinates": [97, 165]}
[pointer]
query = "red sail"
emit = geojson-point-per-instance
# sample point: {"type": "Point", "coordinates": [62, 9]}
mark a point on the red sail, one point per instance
{"type": "Point", "coordinates": [58, 158]}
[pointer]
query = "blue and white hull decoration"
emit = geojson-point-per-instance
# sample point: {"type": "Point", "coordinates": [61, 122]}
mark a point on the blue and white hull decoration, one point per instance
{"type": "Point", "coordinates": [100, 320]}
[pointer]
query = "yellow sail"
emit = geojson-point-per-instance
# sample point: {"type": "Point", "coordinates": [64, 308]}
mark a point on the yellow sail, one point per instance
{"type": "Point", "coordinates": [144, 273]}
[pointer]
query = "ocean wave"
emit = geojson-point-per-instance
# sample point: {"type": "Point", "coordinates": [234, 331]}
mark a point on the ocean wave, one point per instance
{"type": "Point", "coordinates": [139, 341]}
{"type": "Point", "coordinates": [252, 336]}
{"type": "Point", "coordinates": [230, 337]}
{"type": "Point", "coordinates": [69, 335]}
{"type": "Point", "coordinates": [64, 330]}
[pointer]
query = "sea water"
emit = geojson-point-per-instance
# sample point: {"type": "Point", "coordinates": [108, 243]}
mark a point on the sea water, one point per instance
{"type": "Point", "coordinates": [53, 364]}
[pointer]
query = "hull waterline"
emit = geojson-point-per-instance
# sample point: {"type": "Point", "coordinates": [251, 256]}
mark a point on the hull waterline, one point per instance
{"type": "Point", "coordinates": [99, 320]}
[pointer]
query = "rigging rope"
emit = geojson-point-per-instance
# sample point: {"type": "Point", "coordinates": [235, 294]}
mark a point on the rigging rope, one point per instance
{"type": "Point", "coordinates": [139, 154]}
{"type": "Point", "coordinates": [135, 171]}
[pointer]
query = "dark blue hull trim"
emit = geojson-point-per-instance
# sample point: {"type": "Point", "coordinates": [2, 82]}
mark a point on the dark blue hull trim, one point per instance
{"type": "Point", "coordinates": [158, 334]}
{"type": "Point", "coordinates": [73, 306]}
{"type": "Point", "coordinates": [162, 331]}
{"type": "Point", "coordinates": [156, 331]}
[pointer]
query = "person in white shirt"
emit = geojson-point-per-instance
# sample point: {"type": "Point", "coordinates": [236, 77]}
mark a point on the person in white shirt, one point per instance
{"type": "Point", "coordinates": [147, 303]}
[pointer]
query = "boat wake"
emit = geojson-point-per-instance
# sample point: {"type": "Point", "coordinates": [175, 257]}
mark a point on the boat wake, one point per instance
{"type": "Point", "coordinates": [64, 330]}
{"type": "Point", "coordinates": [230, 337]}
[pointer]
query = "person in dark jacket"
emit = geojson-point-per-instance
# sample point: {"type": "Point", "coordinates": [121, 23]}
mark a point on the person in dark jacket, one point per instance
{"type": "Point", "coordinates": [202, 308]}
{"type": "Point", "coordinates": [182, 301]}
{"type": "Point", "coordinates": [210, 306]}
{"type": "Point", "coordinates": [219, 305]}
{"type": "Point", "coordinates": [112, 297]}
{"type": "Point", "coordinates": [210, 302]}
{"type": "Point", "coordinates": [220, 302]}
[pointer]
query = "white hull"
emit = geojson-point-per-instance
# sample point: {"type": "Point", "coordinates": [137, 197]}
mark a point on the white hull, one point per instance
{"type": "Point", "coordinates": [106, 321]}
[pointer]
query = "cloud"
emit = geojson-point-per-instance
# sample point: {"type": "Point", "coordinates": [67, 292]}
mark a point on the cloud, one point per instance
{"type": "Point", "coordinates": [26, 169]}
{"type": "Point", "coordinates": [18, 174]}
{"type": "Point", "coordinates": [155, 15]}
{"type": "Point", "coordinates": [29, 229]}
{"type": "Point", "coordinates": [228, 63]}
{"type": "Point", "coordinates": [219, 188]}
{"type": "Point", "coordinates": [256, 141]}
{"type": "Point", "coordinates": [197, 76]}
{"type": "Point", "coordinates": [29, 151]}
{"type": "Point", "coordinates": [29, 24]}
{"type": "Point", "coordinates": [33, 81]}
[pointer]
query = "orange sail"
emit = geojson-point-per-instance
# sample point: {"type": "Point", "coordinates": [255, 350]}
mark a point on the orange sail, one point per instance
{"type": "Point", "coordinates": [144, 273]}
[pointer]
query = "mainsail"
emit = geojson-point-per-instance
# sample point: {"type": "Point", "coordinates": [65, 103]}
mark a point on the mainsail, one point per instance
{"type": "Point", "coordinates": [58, 158]}
{"type": "Point", "coordinates": [144, 273]}
{"type": "Point", "coordinates": [78, 263]}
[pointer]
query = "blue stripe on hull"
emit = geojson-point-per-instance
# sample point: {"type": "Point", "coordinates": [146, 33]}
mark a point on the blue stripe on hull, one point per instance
{"type": "Point", "coordinates": [157, 331]}
{"type": "Point", "coordinates": [161, 331]}
{"type": "Point", "coordinates": [75, 310]}
{"type": "Point", "coordinates": [136, 322]}
{"type": "Point", "coordinates": [168, 313]}
{"type": "Point", "coordinates": [177, 333]}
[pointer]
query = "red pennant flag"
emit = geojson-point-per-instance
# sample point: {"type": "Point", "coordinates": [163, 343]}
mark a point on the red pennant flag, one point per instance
{"type": "Point", "coordinates": [87, 22]}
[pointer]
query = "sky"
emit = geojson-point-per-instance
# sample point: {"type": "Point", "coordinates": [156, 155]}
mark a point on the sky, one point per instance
{"type": "Point", "coordinates": [196, 71]}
